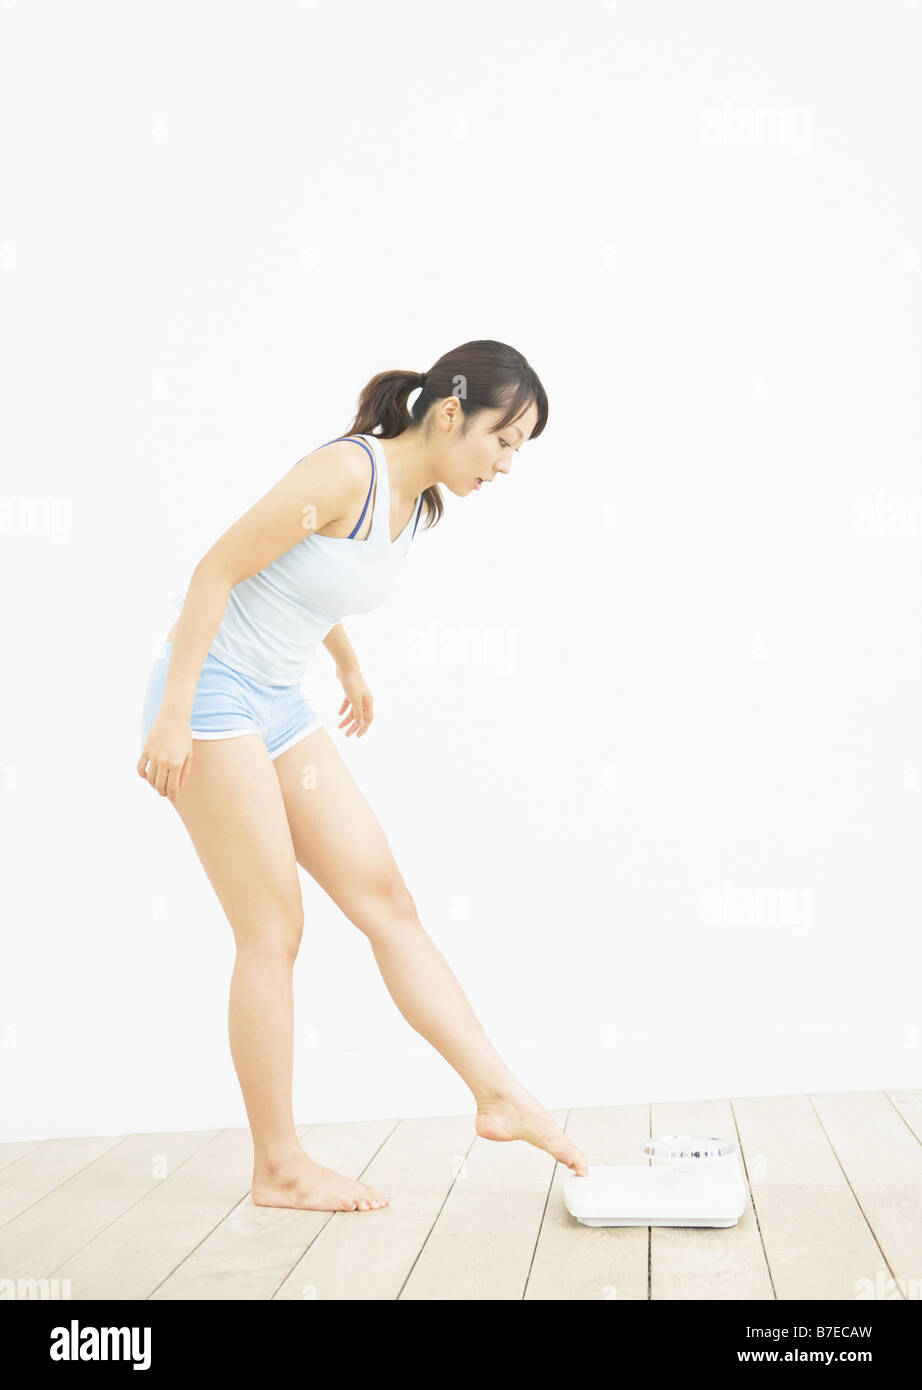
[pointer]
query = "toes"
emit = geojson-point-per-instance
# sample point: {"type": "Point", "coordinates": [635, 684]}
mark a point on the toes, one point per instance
{"type": "Point", "coordinates": [567, 1153]}
{"type": "Point", "coordinates": [577, 1161]}
{"type": "Point", "coordinates": [367, 1200]}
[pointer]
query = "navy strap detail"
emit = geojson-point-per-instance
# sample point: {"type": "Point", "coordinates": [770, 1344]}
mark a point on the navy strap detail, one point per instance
{"type": "Point", "coordinates": [418, 514]}
{"type": "Point", "coordinates": [372, 483]}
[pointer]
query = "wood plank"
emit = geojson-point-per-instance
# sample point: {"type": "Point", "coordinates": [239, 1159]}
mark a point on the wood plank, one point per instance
{"type": "Point", "coordinates": [33, 1175]}
{"type": "Point", "coordinates": [909, 1104]}
{"type": "Point", "coordinates": [51, 1230]}
{"type": "Point", "coordinates": [483, 1240]}
{"type": "Point", "coordinates": [10, 1152]}
{"type": "Point", "coordinates": [816, 1238]}
{"type": "Point", "coordinates": [134, 1255]}
{"type": "Point", "coordinates": [573, 1261]}
{"type": "Point", "coordinates": [252, 1251]}
{"type": "Point", "coordinates": [882, 1159]}
{"type": "Point", "coordinates": [371, 1258]}
{"type": "Point", "coordinates": [688, 1262]}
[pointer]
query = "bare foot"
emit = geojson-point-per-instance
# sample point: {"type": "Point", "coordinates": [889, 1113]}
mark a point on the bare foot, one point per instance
{"type": "Point", "coordinates": [303, 1183]}
{"type": "Point", "coordinates": [519, 1116]}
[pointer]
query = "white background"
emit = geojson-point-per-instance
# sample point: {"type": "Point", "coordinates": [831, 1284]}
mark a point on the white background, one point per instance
{"type": "Point", "coordinates": [647, 735]}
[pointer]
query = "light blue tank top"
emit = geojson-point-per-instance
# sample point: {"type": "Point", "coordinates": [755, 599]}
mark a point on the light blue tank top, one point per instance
{"type": "Point", "coordinates": [276, 619]}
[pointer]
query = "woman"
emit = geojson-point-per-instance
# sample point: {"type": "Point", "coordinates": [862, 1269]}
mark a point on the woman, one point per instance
{"type": "Point", "coordinates": [228, 734]}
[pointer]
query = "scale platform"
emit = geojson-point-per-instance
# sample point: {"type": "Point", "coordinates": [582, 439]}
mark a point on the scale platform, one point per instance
{"type": "Point", "coordinates": [692, 1180]}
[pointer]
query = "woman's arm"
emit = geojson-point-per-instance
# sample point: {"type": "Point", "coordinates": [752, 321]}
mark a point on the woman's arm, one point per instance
{"type": "Point", "coordinates": [322, 487]}
{"type": "Point", "coordinates": [202, 611]}
{"type": "Point", "coordinates": [341, 650]}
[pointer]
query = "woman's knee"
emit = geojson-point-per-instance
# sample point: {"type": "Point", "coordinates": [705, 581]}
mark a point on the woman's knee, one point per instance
{"type": "Point", "coordinates": [274, 934]}
{"type": "Point", "coordinates": [383, 901]}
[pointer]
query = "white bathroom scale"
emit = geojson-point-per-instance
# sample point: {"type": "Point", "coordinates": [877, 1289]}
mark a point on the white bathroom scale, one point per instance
{"type": "Point", "coordinates": [691, 1180]}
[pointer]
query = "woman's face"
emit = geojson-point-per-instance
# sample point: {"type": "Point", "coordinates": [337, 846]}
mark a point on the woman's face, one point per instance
{"type": "Point", "coordinates": [484, 451]}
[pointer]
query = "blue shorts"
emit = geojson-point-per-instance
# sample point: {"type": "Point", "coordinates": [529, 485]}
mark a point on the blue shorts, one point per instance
{"type": "Point", "coordinates": [228, 703]}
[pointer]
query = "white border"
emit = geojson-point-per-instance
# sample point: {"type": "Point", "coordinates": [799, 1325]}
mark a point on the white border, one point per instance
{"type": "Point", "coordinates": [225, 733]}
{"type": "Point", "coordinates": [318, 724]}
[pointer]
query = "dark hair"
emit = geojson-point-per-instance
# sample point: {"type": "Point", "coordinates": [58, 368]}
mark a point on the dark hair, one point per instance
{"type": "Point", "coordinates": [483, 375]}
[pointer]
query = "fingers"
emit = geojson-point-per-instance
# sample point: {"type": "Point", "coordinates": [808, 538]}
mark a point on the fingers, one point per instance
{"type": "Point", "coordinates": [172, 782]}
{"type": "Point", "coordinates": [358, 723]}
{"type": "Point", "coordinates": [164, 778]}
{"type": "Point", "coordinates": [355, 722]}
{"type": "Point", "coordinates": [360, 715]}
{"type": "Point", "coordinates": [364, 715]}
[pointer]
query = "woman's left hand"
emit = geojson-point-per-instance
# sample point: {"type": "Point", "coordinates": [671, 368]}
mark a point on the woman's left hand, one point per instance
{"type": "Point", "coordinates": [360, 698]}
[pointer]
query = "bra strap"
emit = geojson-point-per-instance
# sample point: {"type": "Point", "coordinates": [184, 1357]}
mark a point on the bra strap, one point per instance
{"type": "Point", "coordinates": [352, 439]}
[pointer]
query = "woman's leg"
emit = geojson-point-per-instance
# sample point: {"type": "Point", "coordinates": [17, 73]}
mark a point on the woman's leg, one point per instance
{"type": "Point", "coordinates": [339, 841]}
{"type": "Point", "coordinates": [232, 808]}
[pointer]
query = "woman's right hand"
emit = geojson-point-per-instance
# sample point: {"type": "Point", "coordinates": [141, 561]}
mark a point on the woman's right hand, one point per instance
{"type": "Point", "coordinates": [167, 756]}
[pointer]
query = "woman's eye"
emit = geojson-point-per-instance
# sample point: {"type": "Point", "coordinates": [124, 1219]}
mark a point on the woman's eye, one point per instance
{"type": "Point", "coordinates": [504, 444]}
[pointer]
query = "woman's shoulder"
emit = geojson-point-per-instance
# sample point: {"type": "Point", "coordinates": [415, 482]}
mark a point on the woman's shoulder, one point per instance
{"type": "Point", "coordinates": [349, 464]}
{"type": "Point", "coordinates": [350, 455]}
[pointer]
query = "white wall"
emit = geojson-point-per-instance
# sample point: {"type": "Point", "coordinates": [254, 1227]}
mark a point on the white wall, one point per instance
{"type": "Point", "coordinates": [647, 737]}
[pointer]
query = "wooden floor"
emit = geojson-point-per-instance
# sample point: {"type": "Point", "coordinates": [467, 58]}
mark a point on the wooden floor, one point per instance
{"type": "Point", "coordinates": [835, 1211]}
